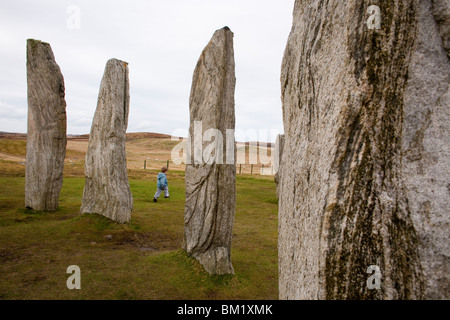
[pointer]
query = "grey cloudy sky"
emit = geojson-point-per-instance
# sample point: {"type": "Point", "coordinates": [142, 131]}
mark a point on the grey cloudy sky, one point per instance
{"type": "Point", "coordinates": [161, 41]}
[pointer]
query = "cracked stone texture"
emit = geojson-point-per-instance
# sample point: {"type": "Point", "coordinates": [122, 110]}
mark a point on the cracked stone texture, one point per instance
{"type": "Point", "coordinates": [46, 138]}
{"type": "Point", "coordinates": [441, 12]}
{"type": "Point", "coordinates": [366, 120]}
{"type": "Point", "coordinates": [210, 188]}
{"type": "Point", "coordinates": [107, 190]}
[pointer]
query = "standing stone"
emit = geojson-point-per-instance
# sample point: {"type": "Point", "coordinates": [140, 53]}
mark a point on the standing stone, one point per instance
{"type": "Point", "coordinates": [46, 138]}
{"type": "Point", "coordinates": [107, 190]}
{"type": "Point", "coordinates": [367, 119]}
{"type": "Point", "coordinates": [210, 186]}
{"type": "Point", "coordinates": [279, 146]}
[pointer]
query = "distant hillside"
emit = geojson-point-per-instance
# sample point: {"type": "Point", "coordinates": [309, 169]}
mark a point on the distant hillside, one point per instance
{"type": "Point", "coordinates": [12, 135]}
{"type": "Point", "coordinates": [142, 135]}
{"type": "Point", "coordinates": [130, 136]}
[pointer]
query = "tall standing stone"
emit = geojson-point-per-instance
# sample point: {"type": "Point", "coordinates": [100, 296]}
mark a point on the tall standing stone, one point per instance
{"type": "Point", "coordinates": [210, 184]}
{"type": "Point", "coordinates": [46, 138]}
{"type": "Point", "coordinates": [367, 119]}
{"type": "Point", "coordinates": [107, 190]}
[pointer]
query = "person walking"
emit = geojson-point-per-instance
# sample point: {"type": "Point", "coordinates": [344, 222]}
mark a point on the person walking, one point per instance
{"type": "Point", "coordinates": [162, 185]}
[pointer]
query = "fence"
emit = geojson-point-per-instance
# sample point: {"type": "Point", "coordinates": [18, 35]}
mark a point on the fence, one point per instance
{"type": "Point", "coordinates": [242, 169]}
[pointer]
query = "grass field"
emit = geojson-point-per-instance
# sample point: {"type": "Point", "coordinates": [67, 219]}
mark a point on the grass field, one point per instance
{"type": "Point", "coordinates": [143, 259]}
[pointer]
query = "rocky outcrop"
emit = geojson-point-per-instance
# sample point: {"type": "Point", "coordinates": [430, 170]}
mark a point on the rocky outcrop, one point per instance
{"type": "Point", "coordinates": [210, 185]}
{"type": "Point", "coordinates": [107, 190]}
{"type": "Point", "coordinates": [366, 122]}
{"type": "Point", "coordinates": [46, 138]}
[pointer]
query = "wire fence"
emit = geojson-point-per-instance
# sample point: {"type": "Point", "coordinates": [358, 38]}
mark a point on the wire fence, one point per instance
{"type": "Point", "coordinates": [256, 159]}
{"type": "Point", "coordinates": [242, 169]}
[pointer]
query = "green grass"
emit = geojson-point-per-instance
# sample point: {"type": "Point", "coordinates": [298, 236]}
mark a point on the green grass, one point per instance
{"type": "Point", "coordinates": [143, 260]}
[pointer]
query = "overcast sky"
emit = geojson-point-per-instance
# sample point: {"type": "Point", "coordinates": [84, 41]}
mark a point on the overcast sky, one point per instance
{"type": "Point", "coordinates": [161, 41]}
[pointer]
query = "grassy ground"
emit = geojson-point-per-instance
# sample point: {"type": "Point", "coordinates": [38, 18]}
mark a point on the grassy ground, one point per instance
{"type": "Point", "coordinates": [143, 260]}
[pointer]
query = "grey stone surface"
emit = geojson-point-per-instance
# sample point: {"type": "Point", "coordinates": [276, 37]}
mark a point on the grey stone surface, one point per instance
{"type": "Point", "coordinates": [426, 149]}
{"type": "Point", "coordinates": [441, 12]}
{"type": "Point", "coordinates": [107, 190]}
{"type": "Point", "coordinates": [366, 120]}
{"type": "Point", "coordinates": [279, 146]}
{"type": "Point", "coordinates": [210, 188]}
{"type": "Point", "coordinates": [46, 138]}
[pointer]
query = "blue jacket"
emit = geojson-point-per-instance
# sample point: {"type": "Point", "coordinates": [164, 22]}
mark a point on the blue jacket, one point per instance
{"type": "Point", "coordinates": [162, 181]}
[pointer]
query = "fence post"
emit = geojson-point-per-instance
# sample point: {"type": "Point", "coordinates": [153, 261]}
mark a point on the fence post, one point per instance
{"type": "Point", "coordinates": [167, 164]}
{"type": "Point", "coordinates": [252, 170]}
{"type": "Point", "coordinates": [262, 170]}
{"type": "Point", "coordinates": [240, 168]}
{"type": "Point", "coordinates": [145, 164]}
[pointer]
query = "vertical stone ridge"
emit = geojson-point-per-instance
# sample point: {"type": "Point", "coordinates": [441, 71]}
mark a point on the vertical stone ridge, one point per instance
{"type": "Point", "coordinates": [126, 96]}
{"type": "Point", "coordinates": [47, 125]}
{"type": "Point", "coordinates": [279, 146]}
{"type": "Point", "coordinates": [425, 147]}
{"type": "Point", "coordinates": [377, 188]}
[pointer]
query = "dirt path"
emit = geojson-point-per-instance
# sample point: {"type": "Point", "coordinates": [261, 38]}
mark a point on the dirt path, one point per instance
{"type": "Point", "coordinates": [10, 157]}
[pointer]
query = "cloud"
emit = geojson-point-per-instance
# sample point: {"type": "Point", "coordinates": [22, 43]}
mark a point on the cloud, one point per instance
{"type": "Point", "coordinates": [11, 112]}
{"type": "Point", "coordinates": [162, 41]}
{"type": "Point", "coordinates": [13, 119]}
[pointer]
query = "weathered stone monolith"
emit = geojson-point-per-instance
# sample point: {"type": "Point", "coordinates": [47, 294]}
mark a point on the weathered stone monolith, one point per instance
{"type": "Point", "coordinates": [46, 138]}
{"type": "Point", "coordinates": [210, 181]}
{"type": "Point", "coordinates": [367, 155]}
{"type": "Point", "coordinates": [107, 190]}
